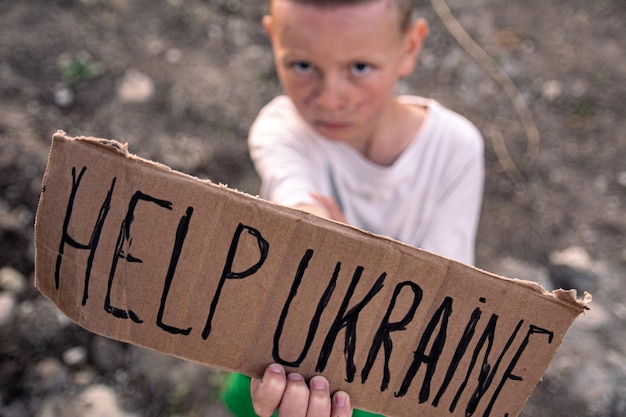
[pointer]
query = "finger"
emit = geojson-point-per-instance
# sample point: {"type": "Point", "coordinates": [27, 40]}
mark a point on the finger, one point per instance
{"type": "Point", "coordinates": [341, 406]}
{"type": "Point", "coordinates": [319, 397]}
{"type": "Point", "coordinates": [267, 392]}
{"type": "Point", "coordinates": [296, 397]}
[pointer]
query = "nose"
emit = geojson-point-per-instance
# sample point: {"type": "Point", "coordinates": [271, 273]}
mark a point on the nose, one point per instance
{"type": "Point", "coordinates": [332, 92]}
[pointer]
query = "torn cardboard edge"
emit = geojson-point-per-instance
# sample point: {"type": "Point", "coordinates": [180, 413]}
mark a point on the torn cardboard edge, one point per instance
{"type": "Point", "coordinates": [135, 251]}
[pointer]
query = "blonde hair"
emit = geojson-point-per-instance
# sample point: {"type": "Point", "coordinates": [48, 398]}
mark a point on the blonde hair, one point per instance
{"type": "Point", "coordinates": [405, 7]}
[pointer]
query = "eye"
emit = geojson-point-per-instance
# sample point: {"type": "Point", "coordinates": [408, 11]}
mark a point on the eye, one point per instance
{"type": "Point", "coordinates": [302, 67]}
{"type": "Point", "coordinates": [360, 68]}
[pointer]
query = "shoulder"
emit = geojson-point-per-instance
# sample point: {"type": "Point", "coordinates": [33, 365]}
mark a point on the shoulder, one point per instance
{"type": "Point", "coordinates": [451, 128]}
{"type": "Point", "coordinates": [442, 115]}
{"type": "Point", "coordinates": [280, 108]}
{"type": "Point", "coordinates": [278, 120]}
{"type": "Point", "coordinates": [447, 141]}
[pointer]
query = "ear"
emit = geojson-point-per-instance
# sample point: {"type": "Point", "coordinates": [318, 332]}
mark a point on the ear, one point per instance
{"type": "Point", "coordinates": [412, 46]}
{"type": "Point", "coordinates": [268, 22]}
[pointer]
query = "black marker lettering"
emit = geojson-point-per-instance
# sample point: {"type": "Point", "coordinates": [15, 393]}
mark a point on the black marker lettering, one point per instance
{"type": "Point", "coordinates": [348, 320]}
{"type": "Point", "coordinates": [316, 317]}
{"type": "Point", "coordinates": [181, 233]}
{"type": "Point", "coordinates": [439, 318]}
{"type": "Point", "coordinates": [382, 336]}
{"type": "Point", "coordinates": [486, 372]}
{"type": "Point", "coordinates": [95, 236]}
{"type": "Point", "coordinates": [228, 272]}
{"type": "Point", "coordinates": [125, 237]}
{"type": "Point", "coordinates": [470, 328]}
{"type": "Point", "coordinates": [508, 374]}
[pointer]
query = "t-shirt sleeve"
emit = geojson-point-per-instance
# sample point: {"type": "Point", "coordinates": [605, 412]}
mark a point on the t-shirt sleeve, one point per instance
{"type": "Point", "coordinates": [282, 156]}
{"type": "Point", "coordinates": [452, 228]}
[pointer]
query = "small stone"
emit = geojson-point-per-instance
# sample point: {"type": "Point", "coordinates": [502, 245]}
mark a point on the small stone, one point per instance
{"type": "Point", "coordinates": [135, 87]}
{"type": "Point", "coordinates": [7, 308]}
{"type": "Point", "coordinates": [63, 97]}
{"type": "Point", "coordinates": [75, 356]}
{"type": "Point", "coordinates": [551, 90]}
{"type": "Point", "coordinates": [12, 281]}
{"type": "Point", "coordinates": [100, 401]}
{"type": "Point", "coordinates": [173, 55]}
{"type": "Point", "coordinates": [50, 373]}
{"type": "Point", "coordinates": [155, 47]}
{"type": "Point", "coordinates": [574, 257]}
{"type": "Point", "coordinates": [84, 377]}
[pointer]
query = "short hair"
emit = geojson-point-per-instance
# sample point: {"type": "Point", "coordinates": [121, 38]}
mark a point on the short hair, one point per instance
{"type": "Point", "coordinates": [405, 7]}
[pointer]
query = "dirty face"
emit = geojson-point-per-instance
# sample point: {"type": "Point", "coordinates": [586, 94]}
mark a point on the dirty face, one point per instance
{"type": "Point", "coordinates": [339, 64]}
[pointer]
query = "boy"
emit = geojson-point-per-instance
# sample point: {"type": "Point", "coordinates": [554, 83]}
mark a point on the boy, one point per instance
{"type": "Point", "coordinates": [343, 146]}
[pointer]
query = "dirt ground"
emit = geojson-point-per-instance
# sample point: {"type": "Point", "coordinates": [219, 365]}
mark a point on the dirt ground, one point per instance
{"type": "Point", "coordinates": [181, 82]}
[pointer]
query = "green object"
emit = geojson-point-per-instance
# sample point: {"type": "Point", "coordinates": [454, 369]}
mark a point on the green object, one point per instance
{"type": "Point", "coordinates": [80, 70]}
{"type": "Point", "coordinates": [236, 396]}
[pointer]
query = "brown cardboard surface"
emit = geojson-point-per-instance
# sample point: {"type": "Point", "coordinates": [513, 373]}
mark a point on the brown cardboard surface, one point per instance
{"type": "Point", "coordinates": [135, 251]}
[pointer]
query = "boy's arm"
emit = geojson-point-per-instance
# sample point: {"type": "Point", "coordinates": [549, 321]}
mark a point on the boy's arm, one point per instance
{"type": "Point", "coordinates": [287, 159]}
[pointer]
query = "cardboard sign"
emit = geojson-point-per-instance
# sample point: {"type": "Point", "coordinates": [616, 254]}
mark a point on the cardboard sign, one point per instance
{"type": "Point", "coordinates": [137, 252]}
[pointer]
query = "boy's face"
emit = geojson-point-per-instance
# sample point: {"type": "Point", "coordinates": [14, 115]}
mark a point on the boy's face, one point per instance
{"type": "Point", "coordinates": [339, 64]}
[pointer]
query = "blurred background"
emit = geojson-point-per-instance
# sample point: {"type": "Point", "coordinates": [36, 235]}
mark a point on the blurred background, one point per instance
{"type": "Point", "coordinates": [181, 81]}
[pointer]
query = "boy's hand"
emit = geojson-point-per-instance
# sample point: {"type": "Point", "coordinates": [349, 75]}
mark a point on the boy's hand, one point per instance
{"type": "Point", "coordinates": [290, 395]}
{"type": "Point", "coordinates": [332, 209]}
{"type": "Point", "coordinates": [327, 208]}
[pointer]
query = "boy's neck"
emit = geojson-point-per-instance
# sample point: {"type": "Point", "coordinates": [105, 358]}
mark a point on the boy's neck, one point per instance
{"type": "Point", "coordinates": [384, 147]}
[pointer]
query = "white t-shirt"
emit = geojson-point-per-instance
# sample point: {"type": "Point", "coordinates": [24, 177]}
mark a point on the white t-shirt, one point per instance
{"type": "Point", "coordinates": [430, 197]}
